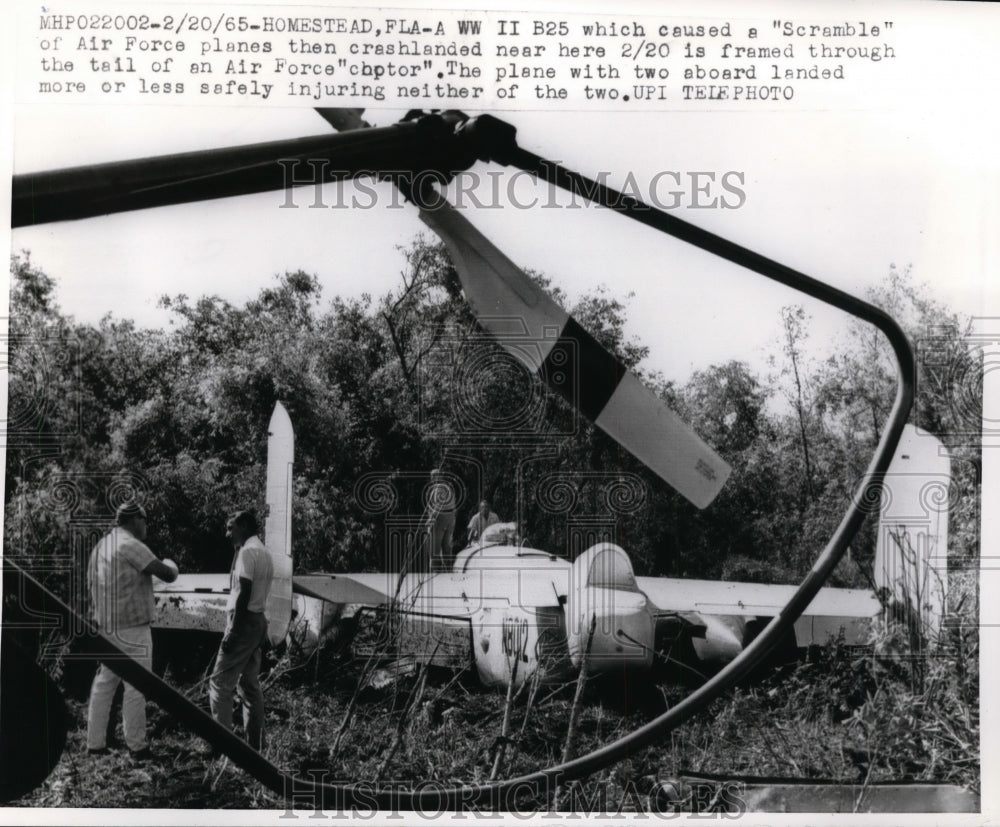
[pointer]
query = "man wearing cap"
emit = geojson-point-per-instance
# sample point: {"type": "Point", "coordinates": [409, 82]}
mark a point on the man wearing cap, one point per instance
{"type": "Point", "coordinates": [120, 574]}
{"type": "Point", "coordinates": [440, 521]}
{"type": "Point", "coordinates": [241, 650]}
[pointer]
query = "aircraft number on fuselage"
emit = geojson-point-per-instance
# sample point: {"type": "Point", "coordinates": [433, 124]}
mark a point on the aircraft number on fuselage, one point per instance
{"type": "Point", "coordinates": [515, 637]}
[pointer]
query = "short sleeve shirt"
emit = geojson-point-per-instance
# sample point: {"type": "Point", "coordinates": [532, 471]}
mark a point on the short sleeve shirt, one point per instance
{"type": "Point", "coordinates": [120, 591]}
{"type": "Point", "coordinates": [252, 563]}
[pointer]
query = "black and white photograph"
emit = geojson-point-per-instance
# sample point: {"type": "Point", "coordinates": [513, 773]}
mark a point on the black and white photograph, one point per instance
{"type": "Point", "coordinates": [418, 414]}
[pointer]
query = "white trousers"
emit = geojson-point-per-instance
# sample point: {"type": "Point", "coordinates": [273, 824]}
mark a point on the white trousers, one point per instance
{"type": "Point", "coordinates": [136, 641]}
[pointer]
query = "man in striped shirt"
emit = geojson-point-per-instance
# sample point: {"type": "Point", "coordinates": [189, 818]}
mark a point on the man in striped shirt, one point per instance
{"type": "Point", "coordinates": [120, 574]}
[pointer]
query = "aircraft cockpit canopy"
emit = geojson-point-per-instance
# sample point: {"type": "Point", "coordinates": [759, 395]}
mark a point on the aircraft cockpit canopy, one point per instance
{"type": "Point", "coordinates": [610, 568]}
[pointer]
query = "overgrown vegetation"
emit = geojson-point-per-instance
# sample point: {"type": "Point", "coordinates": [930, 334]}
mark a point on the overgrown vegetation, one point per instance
{"type": "Point", "coordinates": [857, 716]}
{"type": "Point", "coordinates": [382, 389]}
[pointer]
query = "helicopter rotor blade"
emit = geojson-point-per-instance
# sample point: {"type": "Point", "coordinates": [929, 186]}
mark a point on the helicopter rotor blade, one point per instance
{"type": "Point", "coordinates": [550, 343]}
{"type": "Point", "coordinates": [100, 189]}
{"type": "Point", "coordinates": [344, 120]}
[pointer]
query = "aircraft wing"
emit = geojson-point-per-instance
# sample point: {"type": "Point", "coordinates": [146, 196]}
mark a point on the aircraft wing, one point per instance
{"type": "Point", "coordinates": [446, 593]}
{"type": "Point", "coordinates": [752, 599]}
{"type": "Point", "coordinates": [732, 613]}
{"type": "Point", "coordinates": [362, 589]}
{"type": "Point", "coordinates": [435, 628]}
{"type": "Point", "coordinates": [433, 620]}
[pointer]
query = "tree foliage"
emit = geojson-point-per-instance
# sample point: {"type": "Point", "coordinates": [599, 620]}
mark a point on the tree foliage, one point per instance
{"type": "Point", "coordinates": [381, 389]}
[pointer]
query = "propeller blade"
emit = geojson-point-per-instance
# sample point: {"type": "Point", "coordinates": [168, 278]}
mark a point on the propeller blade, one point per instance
{"type": "Point", "coordinates": [549, 342]}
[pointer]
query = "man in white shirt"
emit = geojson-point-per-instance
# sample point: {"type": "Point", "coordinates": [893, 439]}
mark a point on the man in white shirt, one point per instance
{"type": "Point", "coordinates": [241, 650]}
{"type": "Point", "coordinates": [480, 521]}
{"type": "Point", "coordinates": [120, 575]}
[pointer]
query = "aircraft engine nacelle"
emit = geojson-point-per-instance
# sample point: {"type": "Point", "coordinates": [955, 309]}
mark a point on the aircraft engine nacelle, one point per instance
{"type": "Point", "coordinates": [603, 594]}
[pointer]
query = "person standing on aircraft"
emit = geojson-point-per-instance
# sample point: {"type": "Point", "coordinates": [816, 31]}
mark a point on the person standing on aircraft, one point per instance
{"type": "Point", "coordinates": [241, 650]}
{"type": "Point", "coordinates": [440, 521]}
{"type": "Point", "coordinates": [120, 574]}
{"type": "Point", "coordinates": [481, 520]}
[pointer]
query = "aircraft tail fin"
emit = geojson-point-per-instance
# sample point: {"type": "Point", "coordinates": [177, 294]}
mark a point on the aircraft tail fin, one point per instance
{"type": "Point", "coordinates": [911, 552]}
{"type": "Point", "coordinates": [278, 525]}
